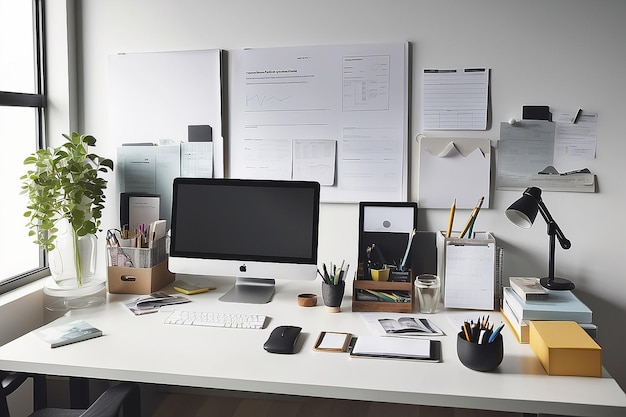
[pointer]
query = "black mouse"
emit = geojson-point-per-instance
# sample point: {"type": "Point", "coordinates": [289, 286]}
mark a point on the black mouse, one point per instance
{"type": "Point", "coordinates": [282, 339]}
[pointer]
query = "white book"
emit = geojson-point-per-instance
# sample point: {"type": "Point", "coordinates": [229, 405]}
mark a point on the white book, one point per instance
{"type": "Point", "coordinates": [528, 288]}
{"type": "Point", "coordinates": [560, 305]}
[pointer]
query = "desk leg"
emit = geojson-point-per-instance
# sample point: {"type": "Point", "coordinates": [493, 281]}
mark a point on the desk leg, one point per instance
{"type": "Point", "coordinates": [79, 393]}
{"type": "Point", "coordinates": [40, 392]}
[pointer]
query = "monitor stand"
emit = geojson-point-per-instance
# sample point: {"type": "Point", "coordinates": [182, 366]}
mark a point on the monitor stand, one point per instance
{"type": "Point", "coordinates": [250, 290]}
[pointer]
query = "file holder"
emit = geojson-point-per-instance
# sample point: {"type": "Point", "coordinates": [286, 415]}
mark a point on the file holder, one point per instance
{"type": "Point", "coordinates": [387, 226]}
{"type": "Point", "coordinates": [470, 271]}
{"type": "Point", "coordinates": [138, 270]}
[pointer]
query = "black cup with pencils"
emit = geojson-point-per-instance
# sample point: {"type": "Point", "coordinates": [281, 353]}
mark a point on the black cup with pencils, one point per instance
{"type": "Point", "coordinates": [333, 286]}
{"type": "Point", "coordinates": [480, 346]}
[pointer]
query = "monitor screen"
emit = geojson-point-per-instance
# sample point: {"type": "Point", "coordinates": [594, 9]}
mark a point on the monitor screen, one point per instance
{"type": "Point", "coordinates": [254, 230]}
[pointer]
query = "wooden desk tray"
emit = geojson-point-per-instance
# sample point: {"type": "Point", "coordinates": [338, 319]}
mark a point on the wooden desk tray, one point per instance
{"type": "Point", "coordinates": [387, 306]}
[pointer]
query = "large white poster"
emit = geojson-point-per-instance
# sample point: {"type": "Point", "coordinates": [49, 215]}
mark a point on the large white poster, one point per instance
{"type": "Point", "coordinates": [355, 95]}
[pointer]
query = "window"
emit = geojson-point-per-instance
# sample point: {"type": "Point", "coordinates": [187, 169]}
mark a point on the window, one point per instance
{"type": "Point", "coordinates": [22, 104]}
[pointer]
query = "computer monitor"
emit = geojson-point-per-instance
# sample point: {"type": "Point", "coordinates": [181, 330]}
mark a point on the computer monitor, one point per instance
{"type": "Point", "coordinates": [254, 230]}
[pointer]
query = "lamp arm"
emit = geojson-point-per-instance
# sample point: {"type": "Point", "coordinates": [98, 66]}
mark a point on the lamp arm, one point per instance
{"type": "Point", "coordinates": [563, 241]}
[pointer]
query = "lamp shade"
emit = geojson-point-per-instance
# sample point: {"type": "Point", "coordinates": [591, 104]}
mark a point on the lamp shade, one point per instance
{"type": "Point", "coordinates": [524, 211]}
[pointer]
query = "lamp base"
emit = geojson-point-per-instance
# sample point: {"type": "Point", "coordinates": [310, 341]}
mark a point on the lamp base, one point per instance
{"type": "Point", "coordinates": [558, 284]}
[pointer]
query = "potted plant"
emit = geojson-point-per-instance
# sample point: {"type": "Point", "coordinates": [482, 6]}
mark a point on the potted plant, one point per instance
{"type": "Point", "coordinates": [64, 185]}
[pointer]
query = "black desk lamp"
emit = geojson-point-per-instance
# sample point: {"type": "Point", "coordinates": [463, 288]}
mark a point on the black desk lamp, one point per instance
{"type": "Point", "coordinates": [522, 213]}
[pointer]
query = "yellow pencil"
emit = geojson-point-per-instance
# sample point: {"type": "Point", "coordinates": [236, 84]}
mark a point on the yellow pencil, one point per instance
{"type": "Point", "coordinates": [472, 216]}
{"type": "Point", "coordinates": [451, 218]}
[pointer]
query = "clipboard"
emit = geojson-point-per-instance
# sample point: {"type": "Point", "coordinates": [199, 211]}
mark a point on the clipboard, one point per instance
{"type": "Point", "coordinates": [395, 348]}
{"type": "Point", "coordinates": [470, 269]}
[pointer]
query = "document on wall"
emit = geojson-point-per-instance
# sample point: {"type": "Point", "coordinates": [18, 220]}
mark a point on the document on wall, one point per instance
{"type": "Point", "coordinates": [314, 160]}
{"type": "Point", "coordinates": [576, 140]}
{"type": "Point", "coordinates": [142, 210]}
{"type": "Point", "coordinates": [353, 95]}
{"type": "Point", "coordinates": [524, 149]}
{"type": "Point", "coordinates": [456, 99]}
{"type": "Point", "coordinates": [528, 152]}
{"type": "Point", "coordinates": [196, 159]}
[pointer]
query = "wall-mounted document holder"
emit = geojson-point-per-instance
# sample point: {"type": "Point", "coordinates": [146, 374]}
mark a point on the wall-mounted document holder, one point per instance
{"type": "Point", "coordinates": [526, 155]}
{"type": "Point", "coordinates": [454, 168]}
{"type": "Point", "coordinates": [470, 270]}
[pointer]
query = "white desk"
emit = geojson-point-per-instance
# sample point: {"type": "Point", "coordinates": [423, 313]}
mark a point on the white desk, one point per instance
{"type": "Point", "coordinates": [143, 349]}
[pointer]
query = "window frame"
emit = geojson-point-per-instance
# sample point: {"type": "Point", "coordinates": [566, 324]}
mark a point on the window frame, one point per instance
{"type": "Point", "coordinates": [38, 101]}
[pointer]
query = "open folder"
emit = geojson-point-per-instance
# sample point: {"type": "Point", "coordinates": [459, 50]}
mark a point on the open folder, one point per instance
{"type": "Point", "coordinates": [396, 348]}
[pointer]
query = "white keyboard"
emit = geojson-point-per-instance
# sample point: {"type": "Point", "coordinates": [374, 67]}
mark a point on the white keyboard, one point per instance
{"type": "Point", "coordinates": [202, 318]}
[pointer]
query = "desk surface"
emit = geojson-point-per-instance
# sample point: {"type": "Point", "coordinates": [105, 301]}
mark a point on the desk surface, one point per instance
{"type": "Point", "coordinates": [143, 349]}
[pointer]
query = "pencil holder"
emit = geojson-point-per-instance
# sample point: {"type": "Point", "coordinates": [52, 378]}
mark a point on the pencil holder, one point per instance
{"type": "Point", "coordinates": [333, 295]}
{"type": "Point", "coordinates": [482, 357]}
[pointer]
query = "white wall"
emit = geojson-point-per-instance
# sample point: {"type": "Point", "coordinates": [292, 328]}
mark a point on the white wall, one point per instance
{"type": "Point", "coordinates": [562, 53]}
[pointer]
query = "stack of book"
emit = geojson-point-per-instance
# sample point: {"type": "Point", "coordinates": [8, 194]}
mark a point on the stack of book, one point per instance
{"type": "Point", "coordinates": [526, 300]}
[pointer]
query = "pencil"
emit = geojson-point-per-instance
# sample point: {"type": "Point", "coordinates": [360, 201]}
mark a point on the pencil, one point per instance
{"type": "Point", "coordinates": [451, 218]}
{"type": "Point", "coordinates": [472, 217]}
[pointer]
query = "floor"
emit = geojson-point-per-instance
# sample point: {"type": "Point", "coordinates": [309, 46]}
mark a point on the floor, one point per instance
{"type": "Point", "coordinates": [192, 405]}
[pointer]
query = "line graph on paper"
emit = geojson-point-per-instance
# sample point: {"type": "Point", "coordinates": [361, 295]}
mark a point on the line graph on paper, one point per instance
{"type": "Point", "coordinates": [272, 93]}
{"type": "Point", "coordinates": [263, 101]}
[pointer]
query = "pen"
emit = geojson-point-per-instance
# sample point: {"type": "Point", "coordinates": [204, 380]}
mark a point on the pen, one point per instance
{"type": "Point", "coordinates": [472, 216]}
{"type": "Point", "coordinates": [408, 249]}
{"type": "Point", "coordinates": [451, 218]}
{"type": "Point", "coordinates": [495, 333]}
{"type": "Point", "coordinates": [578, 113]}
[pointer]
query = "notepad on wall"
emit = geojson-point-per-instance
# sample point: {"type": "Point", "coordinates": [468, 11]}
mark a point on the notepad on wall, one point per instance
{"type": "Point", "coordinates": [65, 334]}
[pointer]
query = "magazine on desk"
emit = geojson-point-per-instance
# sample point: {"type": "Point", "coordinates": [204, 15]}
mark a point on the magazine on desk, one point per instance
{"type": "Point", "coordinates": [401, 324]}
{"type": "Point", "coordinates": [152, 302]}
{"type": "Point", "coordinates": [64, 334]}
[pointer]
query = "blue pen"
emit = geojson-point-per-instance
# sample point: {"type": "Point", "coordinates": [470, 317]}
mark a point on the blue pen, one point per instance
{"type": "Point", "coordinates": [495, 333]}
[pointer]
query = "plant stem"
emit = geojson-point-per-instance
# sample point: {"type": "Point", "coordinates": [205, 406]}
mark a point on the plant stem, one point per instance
{"type": "Point", "coordinates": [77, 263]}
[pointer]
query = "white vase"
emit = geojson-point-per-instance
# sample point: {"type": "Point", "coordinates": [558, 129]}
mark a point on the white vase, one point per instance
{"type": "Point", "coordinates": [62, 261]}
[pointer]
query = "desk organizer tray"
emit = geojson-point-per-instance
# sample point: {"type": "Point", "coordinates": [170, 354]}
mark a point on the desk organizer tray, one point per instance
{"type": "Point", "coordinates": [138, 270]}
{"type": "Point", "coordinates": [363, 298]}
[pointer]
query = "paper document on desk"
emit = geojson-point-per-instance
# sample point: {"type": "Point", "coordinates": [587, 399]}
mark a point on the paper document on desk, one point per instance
{"type": "Point", "coordinates": [396, 348]}
{"type": "Point", "coordinates": [151, 303]}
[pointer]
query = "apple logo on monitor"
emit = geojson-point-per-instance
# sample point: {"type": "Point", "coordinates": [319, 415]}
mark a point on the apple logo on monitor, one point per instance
{"type": "Point", "coordinates": [242, 268]}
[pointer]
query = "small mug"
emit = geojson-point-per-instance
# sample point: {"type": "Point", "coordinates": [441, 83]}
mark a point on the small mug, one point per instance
{"type": "Point", "coordinates": [380, 274]}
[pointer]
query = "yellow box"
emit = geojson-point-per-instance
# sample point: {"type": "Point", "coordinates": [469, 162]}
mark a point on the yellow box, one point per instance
{"type": "Point", "coordinates": [564, 348]}
{"type": "Point", "coordinates": [124, 280]}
